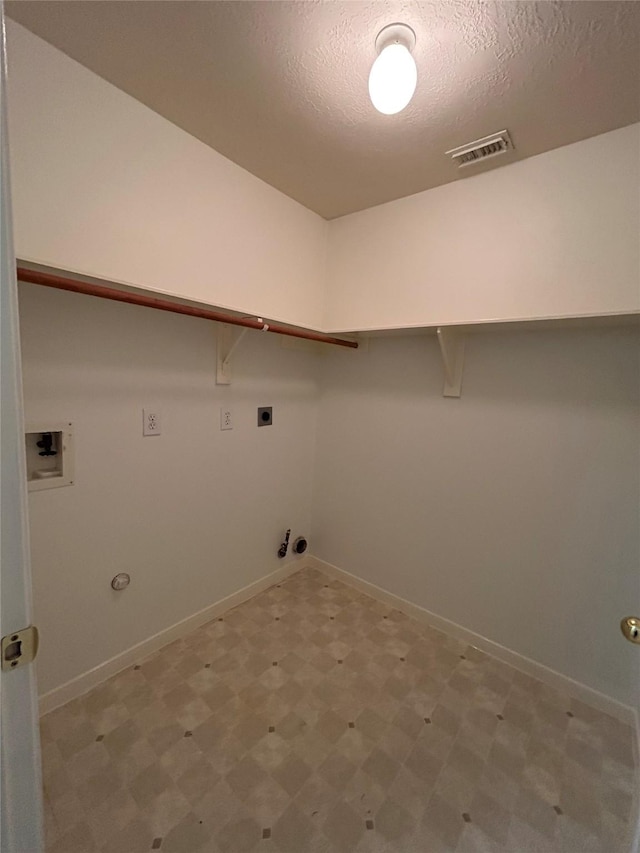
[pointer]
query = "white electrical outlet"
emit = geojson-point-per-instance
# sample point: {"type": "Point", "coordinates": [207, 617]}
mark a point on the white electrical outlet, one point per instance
{"type": "Point", "coordinates": [150, 422]}
{"type": "Point", "coordinates": [226, 418]}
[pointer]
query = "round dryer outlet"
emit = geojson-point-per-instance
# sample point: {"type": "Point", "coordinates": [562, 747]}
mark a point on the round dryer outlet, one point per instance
{"type": "Point", "coordinates": [300, 545]}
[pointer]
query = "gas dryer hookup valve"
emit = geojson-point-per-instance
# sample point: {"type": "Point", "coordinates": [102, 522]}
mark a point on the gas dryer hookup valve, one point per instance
{"type": "Point", "coordinates": [282, 550]}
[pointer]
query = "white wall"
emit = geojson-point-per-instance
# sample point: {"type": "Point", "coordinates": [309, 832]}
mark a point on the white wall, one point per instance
{"type": "Point", "coordinates": [552, 236]}
{"type": "Point", "coordinates": [194, 514]}
{"type": "Point", "coordinates": [105, 187]}
{"type": "Point", "coordinates": [512, 511]}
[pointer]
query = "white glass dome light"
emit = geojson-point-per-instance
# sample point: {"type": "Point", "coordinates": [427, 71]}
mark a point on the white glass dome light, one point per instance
{"type": "Point", "coordinates": [393, 76]}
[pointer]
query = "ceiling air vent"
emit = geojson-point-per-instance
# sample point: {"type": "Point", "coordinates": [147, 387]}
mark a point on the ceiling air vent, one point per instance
{"type": "Point", "coordinates": [481, 149]}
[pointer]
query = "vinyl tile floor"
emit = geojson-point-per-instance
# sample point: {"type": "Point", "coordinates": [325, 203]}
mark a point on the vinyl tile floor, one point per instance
{"type": "Point", "coordinates": [315, 719]}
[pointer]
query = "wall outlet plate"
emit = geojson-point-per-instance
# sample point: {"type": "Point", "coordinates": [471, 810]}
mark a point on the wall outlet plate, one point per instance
{"type": "Point", "coordinates": [226, 418]}
{"type": "Point", "coordinates": [265, 416]}
{"type": "Point", "coordinates": [151, 422]}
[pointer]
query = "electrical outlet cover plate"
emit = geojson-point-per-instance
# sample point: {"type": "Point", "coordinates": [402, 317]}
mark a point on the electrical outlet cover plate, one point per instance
{"type": "Point", "coordinates": [150, 422]}
{"type": "Point", "coordinates": [226, 418]}
{"type": "Point", "coordinates": [265, 416]}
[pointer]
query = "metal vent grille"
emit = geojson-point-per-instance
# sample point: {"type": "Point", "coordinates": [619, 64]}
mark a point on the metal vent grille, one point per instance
{"type": "Point", "coordinates": [481, 149]}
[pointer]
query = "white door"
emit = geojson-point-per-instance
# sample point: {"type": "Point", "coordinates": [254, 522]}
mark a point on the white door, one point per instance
{"type": "Point", "coordinates": [21, 798]}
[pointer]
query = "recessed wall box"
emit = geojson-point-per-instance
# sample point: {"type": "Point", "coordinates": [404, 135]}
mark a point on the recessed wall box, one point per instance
{"type": "Point", "coordinates": [265, 416]}
{"type": "Point", "coordinates": [49, 453]}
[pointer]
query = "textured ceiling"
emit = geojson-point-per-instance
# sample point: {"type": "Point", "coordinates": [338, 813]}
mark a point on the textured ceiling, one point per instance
{"type": "Point", "coordinates": [281, 87]}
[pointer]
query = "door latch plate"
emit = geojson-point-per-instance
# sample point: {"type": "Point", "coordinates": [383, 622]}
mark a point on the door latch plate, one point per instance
{"type": "Point", "coordinates": [19, 648]}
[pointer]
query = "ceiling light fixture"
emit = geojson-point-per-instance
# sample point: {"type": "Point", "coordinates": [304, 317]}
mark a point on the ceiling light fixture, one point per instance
{"type": "Point", "coordinates": [393, 76]}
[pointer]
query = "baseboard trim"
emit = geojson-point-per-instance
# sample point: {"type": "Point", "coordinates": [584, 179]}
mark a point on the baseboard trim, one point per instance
{"type": "Point", "coordinates": [86, 681]}
{"type": "Point", "coordinates": [82, 683]}
{"type": "Point", "coordinates": [575, 689]}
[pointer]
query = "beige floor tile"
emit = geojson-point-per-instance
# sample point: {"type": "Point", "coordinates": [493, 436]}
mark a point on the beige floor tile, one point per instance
{"type": "Point", "coordinates": [491, 816]}
{"type": "Point", "coordinates": [190, 835]}
{"type": "Point", "coordinates": [98, 787]}
{"type": "Point", "coordinates": [442, 821]}
{"type": "Point", "coordinates": [474, 840]}
{"type": "Point", "coordinates": [136, 837]}
{"type": "Point", "coordinates": [314, 719]}
{"type": "Point", "coordinates": [337, 770]}
{"type": "Point", "coordinates": [78, 839]}
{"type": "Point", "coordinates": [149, 784]}
{"type": "Point", "coordinates": [394, 822]}
{"type": "Point", "coordinates": [112, 815]}
{"type": "Point", "coordinates": [219, 805]}
{"type": "Point", "coordinates": [199, 777]}
{"type": "Point", "coordinates": [456, 789]}
{"type": "Point", "coordinates": [165, 810]}
{"type": "Point", "coordinates": [293, 830]}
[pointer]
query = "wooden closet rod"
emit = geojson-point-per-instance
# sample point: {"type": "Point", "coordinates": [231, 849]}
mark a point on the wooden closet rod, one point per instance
{"type": "Point", "coordinates": [75, 286]}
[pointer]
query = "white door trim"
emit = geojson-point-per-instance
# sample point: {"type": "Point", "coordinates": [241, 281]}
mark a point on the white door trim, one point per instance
{"type": "Point", "coordinates": [20, 771]}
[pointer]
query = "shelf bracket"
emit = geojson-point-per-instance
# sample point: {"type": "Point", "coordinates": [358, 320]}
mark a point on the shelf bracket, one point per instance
{"type": "Point", "coordinates": [452, 350]}
{"type": "Point", "coordinates": [226, 342]}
